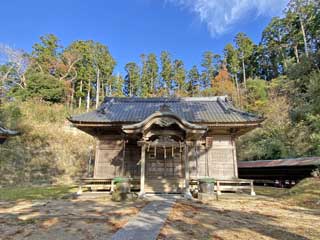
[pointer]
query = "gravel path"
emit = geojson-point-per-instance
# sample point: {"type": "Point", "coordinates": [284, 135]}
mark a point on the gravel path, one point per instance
{"type": "Point", "coordinates": [148, 222]}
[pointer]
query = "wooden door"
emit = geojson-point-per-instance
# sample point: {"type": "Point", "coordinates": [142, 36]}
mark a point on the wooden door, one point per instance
{"type": "Point", "coordinates": [164, 163]}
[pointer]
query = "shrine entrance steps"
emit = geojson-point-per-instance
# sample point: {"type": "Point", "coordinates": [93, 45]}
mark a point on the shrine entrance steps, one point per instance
{"type": "Point", "coordinates": [164, 185]}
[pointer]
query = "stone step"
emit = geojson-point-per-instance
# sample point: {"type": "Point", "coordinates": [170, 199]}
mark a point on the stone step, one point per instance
{"type": "Point", "coordinates": [164, 185]}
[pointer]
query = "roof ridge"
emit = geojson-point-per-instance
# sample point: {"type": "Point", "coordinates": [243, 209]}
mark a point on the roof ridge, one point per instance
{"type": "Point", "coordinates": [165, 99]}
{"type": "Point", "coordinates": [234, 109]}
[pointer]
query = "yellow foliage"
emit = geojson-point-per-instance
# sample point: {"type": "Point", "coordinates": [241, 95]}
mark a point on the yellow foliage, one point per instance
{"type": "Point", "coordinates": [221, 85]}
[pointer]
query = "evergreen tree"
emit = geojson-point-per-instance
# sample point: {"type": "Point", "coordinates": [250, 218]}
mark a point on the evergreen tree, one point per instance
{"type": "Point", "coordinates": [46, 53]}
{"type": "Point", "coordinates": [144, 78]}
{"type": "Point", "coordinates": [193, 81]}
{"type": "Point", "coordinates": [149, 75]}
{"type": "Point", "coordinates": [166, 72]}
{"type": "Point", "coordinates": [274, 41]}
{"type": "Point", "coordinates": [132, 79]}
{"type": "Point", "coordinates": [93, 71]}
{"type": "Point", "coordinates": [208, 69]}
{"type": "Point", "coordinates": [179, 78]}
{"type": "Point", "coordinates": [245, 49]}
{"type": "Point", "coordinates": [117, 86]}
{"type": "Point", "coordinates": [152, 72]}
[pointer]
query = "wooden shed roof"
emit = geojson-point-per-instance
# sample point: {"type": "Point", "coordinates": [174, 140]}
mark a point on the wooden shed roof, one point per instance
{"type": "Point", "coordinates": [193, 109]}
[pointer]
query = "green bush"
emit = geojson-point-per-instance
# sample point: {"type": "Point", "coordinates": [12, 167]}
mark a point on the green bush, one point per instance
{"type": "Point", "coordinates": [41, 86]}
{"type": "Point", "coordinates": [120, 180]}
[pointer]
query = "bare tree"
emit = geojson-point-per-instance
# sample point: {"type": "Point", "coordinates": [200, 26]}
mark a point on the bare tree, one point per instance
{"type": "Point", "coordinates": [69, 59]}
{"type": "Point", "coordinates": [17, 61]}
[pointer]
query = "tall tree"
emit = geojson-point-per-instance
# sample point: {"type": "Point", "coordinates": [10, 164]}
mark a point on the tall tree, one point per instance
{"type": "Point", "coordinates": [303, 10]}
{"type": "Point", "coordinates": [274, 40]}
{"type": "Point", "coordinates": [103, 64]}
{"type": "Point", "coordinates": [152, 70]}
{"type": "Point", "coordinates": [84, 70]}
{"type": "Point", "coordinates": [132, 79]}
{"type": "Point", "coordinates": [149, 75]}
{"type": "Point", "coordinates": [94, 70]}
{"type": "Point", "coordinates": [144, 78]}
{"type": "Point", "coordinates": [245, 49]}
{"type": "Point", "coordinates": [166, 72]}
{"type": "Point", "coordinates": [45, 54]}
{"type": "Point", "coordinates": [208, 71]}
{"type": "Point", "coordinates": [193, 81]}
{"type": "Point", "coordinates": [118, 86]}
{"type": "Point", "coordinates": [179, 78]}
{"type": "Point", "coordinates": [232, 64]}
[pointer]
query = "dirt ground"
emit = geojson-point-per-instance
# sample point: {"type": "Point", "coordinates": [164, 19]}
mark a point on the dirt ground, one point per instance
{"type": "Point", "coordinates": [233, 218]}
{"type": "Point", "coordinates": [252, 218]}
{"type": "Point", "coordinates": [65, 219]}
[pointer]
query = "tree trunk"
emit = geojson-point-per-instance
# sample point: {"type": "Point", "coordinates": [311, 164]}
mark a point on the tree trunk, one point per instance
{"type": "Point", "coordinates": [103, 90]}
{"type": "Point", "coordinates": [244, 74]}
{"type": "Point", "coordinates": [80, 98]}
{"type": "Point", "coordinates": [88, 96]}
{"type": "Point", "coordinates": [238, 90]}
{"type": "Point", "coordinates": [98, 89]}
{"type": "Point", "coordinates": [304, 36]}
{"type": "Point", "coordinates": [285, 66]}
{"type": "Point", "coordinates": [295, 47]}
{"type": "Point", "coordinates": [72, 95]}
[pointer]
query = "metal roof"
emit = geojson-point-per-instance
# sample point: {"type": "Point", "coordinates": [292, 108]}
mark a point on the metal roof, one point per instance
{"type": "Point", "coordinates": [6, 132]}
{"type": "Point", "coordinates": [193, 109]}
{"type": "Point", "coordinates": [305, 161]}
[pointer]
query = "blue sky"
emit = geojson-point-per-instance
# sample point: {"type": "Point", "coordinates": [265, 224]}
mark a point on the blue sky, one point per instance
{"type": "Point", "coordinates": [185, 28]}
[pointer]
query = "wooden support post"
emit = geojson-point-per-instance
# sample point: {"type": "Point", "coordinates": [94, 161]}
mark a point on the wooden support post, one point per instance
{"type": "Point", "coordinates": [142, 165]}
{"type": "Point", "coordinates": [217, 195]}
{"type": "Point", "coordinates": [235, 163]}
{"type": "Point", "coordinates": [79, 192]}
{"type": "Point", "coordinates": [218, 188]}
{"type": "Point", "coordinates": [112, 186]}
{"type": "Point", "coordinates": [123, 158]}
{"type": "Point", "coordinates": [186, 173]}
{"type": "Point", "coordinates": [252, 189]}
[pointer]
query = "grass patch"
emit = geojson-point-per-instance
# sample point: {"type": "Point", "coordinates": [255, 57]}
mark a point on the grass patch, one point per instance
{"type": "Point", "coordinates": [35, 192]}
{"type": "Point", "coordinates": [270, 191]}
{"type": "Point", "coordinates": [306, 193]}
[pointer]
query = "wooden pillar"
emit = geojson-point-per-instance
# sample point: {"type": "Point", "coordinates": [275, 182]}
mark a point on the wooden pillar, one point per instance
{"type": "Point", "coordinates": [123, 158]}
{"type": "Point", "coordinates": [235, 163]}
{"type": "Point", "coordinates": [218, 188]}
{"type": "Point", "coordinates": [186, 173]}
{"type": "Point", "coordinates": [252, 188]}
{"type": "Point", "coordinates": [143, 168]}
{"type": "Point", "coordinates": [97, 157]}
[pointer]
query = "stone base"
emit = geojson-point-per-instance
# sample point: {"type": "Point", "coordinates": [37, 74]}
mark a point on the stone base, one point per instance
{"type": "Point", "coordinates": [119, 197]}
{"type": "Point", "coordinates": [207, 197]}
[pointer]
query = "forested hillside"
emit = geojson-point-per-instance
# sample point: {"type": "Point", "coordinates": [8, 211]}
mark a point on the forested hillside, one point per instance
{"type": "Point", "coordinates": [279, 77]}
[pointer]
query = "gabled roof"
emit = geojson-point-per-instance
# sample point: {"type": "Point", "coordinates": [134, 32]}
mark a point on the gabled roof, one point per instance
{"type": "Point", "coordinates": [192, 109]}
{"type": "Point", "coordinates": [304, 161]}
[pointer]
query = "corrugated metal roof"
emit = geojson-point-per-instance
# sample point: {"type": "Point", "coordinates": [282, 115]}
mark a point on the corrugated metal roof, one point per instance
{"type": "Point", "coordinates": [194, 110]}
{"type": "Point", "coordinates": [305, 161]}
{"type": "Point", "coordinates": [7, 132]}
